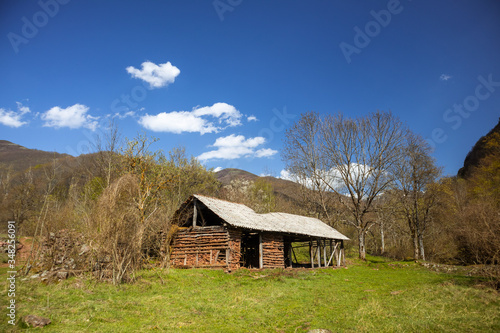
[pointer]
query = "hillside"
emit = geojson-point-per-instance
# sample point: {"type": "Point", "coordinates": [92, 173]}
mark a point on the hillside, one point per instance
{"type": "Point", "coordinates": [478, 152]}
{"type": "Point", "coordinates": [21, 158]}
{"type": "Point", "coordinates": [285, 189]}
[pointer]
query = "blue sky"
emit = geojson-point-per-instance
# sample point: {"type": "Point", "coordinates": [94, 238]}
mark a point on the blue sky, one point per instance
{"type": "Point", "coordinates": [226, 78]}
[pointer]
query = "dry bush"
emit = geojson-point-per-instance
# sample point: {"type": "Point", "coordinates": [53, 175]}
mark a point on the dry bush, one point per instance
{"type": "Point", "coordinates": [116, 233]}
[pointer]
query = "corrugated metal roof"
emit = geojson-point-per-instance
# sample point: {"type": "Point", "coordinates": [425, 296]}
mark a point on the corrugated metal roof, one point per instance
{"type": "Point", "coordinates": [239, 215]}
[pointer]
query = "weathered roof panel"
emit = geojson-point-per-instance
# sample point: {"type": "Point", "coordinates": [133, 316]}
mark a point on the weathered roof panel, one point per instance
{"type": "Point", "coordinates": [239, 215]}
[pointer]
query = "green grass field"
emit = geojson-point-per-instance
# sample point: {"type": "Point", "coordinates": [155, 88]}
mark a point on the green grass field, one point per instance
{"type": "Point", "coordinates": [378, 295]}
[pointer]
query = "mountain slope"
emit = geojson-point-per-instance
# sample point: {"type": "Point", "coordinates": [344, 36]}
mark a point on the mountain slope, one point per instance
{"type": "Point", "coordinates": [478, 152]}
{"type": "Point", "coordinates": [21, 158]}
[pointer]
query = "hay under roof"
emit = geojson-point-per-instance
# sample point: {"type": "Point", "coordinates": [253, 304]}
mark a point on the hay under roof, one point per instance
{"type": "Point", "coordinates": [239, 215]}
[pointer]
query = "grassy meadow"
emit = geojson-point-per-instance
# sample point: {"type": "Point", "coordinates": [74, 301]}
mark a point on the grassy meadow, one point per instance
{"type": "Point", "coordinates": [376, 295]}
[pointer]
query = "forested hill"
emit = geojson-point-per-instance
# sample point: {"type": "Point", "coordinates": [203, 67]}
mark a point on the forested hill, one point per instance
{"type": "Point", "coordinates": [286, 189]}
{"type": "Point", "coordinates": [21, 158]}
{"type": "Point", "coordinates": [481, 149]}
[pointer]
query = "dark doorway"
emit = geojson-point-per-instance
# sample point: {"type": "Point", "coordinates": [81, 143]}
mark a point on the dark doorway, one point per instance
{"type": "Point", "coordinates": [250, 244]}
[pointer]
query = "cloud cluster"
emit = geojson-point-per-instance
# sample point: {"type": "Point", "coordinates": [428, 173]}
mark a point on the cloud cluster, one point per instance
{"type": "Point", "coordinates": [156, 75]}
{"type": "Point", "coordinates": [13, 118]}
{"type": "Point", "coordinates": [236, 146]}
{"type": "Point", "coordinates": [445, 77]}
{"type": "Point", "coordinates": [332, 178]}
{"type": "Point", "coordinates": [197, 120]}
{"type": "Point", "coordinates": [73, 117]}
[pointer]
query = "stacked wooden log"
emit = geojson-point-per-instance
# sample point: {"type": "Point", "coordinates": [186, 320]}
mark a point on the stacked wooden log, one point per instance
{"type": "Point", "coordinates": [234, 249]}
{"type": "Point", "coordinates": [273, 254]}
{"type": "Point", "coordinates": [200, 247]}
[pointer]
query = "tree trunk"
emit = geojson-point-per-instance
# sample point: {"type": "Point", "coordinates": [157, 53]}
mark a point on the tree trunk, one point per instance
{"type": "Point", "coordinates": [421, 246]}
{"type": "Point", "coordinates": [362, 247]}
{"type": "Point", "coordinates": [382, 247]}
{"type": "Point", "coordinates": [415, 245]}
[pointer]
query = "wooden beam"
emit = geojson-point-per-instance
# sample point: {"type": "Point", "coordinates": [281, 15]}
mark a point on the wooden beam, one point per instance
{"type": "Point", "coordinates": [311, 254]}
{"type": "Point", "coordinates": [261, 250]}
{"type": "Point", "coordinates": [318, 250]}
{"type": "Point", "coordinates": [342, 252]}
{"type": "Point", "coordinates": [334, 251]}
{"type": "Point", "coordinates": [293, 252]}
{"type": "Point", "coordinates": [324, 252]}
{"type": "Point", "coordinates": [195, 213]}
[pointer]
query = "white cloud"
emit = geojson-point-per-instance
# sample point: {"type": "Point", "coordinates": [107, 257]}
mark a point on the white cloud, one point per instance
{"type": "Point", "coordinates": [287, 175]}
{"type": "Point", "coordinates": [156, 75]}
{"type": "Point", "coordinates": [196, 120]}
{"type": "Point", "coordinates": [252, 118]}
{"type": "Point", "coordinates": [265, 152]}
{"type": "Point", "coordinates": [12, 118]}
{"type": "Point", "coordinates": [73, 117]}
{"type": "Point", "coordinates": [124, 115]}
{"type": "Point", "coordinates": [331, 178]}
{"type": "Point", "coordinates": [445, 77]}
{"type": "Point", "coordinates": [217, 169]}
{"type": "Point", "coordinates": [236, 146]}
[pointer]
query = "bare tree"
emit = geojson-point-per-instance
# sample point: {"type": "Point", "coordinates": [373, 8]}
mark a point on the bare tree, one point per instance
{"type": "Point", "coordinates": [302, 154]}
{"type": "Point", "coordinates": [350, 157]}
{"type": "Point", "coordinates": [414, 177]}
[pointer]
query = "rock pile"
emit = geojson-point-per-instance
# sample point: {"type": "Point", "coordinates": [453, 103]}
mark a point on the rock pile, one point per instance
{"type": "Point", "coordinates": [63, 254]}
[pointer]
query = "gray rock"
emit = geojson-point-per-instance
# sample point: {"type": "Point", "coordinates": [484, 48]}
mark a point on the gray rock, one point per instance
{"type": "Point", "coordinates": [36, 321]}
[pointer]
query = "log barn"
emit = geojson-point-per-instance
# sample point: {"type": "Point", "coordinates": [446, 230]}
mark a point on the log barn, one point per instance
{"type": "Point", "coordinates": [215, 233]}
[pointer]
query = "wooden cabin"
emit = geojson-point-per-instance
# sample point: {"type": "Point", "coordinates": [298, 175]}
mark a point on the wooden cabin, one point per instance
{"type": "Point", "coordinates": [219, 234]}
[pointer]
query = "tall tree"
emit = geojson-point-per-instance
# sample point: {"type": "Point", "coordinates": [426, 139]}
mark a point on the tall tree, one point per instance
{"type": "Point", "coordinates": [414, 178]}
{"type": "Point", "coordinates": [352, 157]}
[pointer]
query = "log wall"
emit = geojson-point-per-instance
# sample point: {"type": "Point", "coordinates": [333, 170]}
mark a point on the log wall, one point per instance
{"type": "Point", "coordinates": [234, 248]}
{"type": "Point", "coordinates": [201, 247]}
{"type": "Point", "coordinates": [273, 250]}
{"type": "Point", "coordinates": [218, 246]}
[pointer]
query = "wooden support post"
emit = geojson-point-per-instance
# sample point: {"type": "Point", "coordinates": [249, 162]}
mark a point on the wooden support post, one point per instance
{"type": "Point", "coordinates": [227, 257]}
{"type": "Point", "coordinates": [293, 252]}
{"type": "Point", "coordinates": [333, 252]}
{"type": "Point", "coordinates": [342, 252]}
{"type": "Point", "coordinates": [318, 249]}
{"type": "Point", "coordinates": [311, 254]}
{"type": "Point", "coordinates": [217, 256]}
{"type": "Point", "coordinates": [210, 257]}
{"type": "Point", "coordinates": [338, 254]}
{"type": "Point", "coordinates": [195, 213]}
{"type": "Point", "coordinates": [290, 254]}
{"type": "Point", "coordinates": [324, 253]}
{"type": "Point", "coordinates": [261, 250]}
